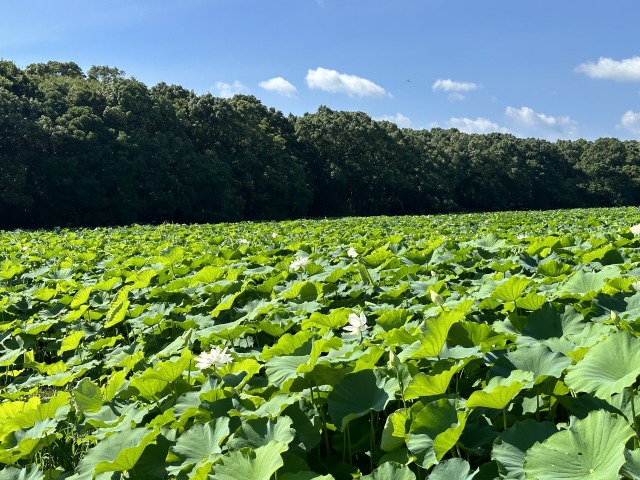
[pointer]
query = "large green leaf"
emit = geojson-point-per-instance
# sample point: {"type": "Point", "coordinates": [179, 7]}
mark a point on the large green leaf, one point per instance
{"type": "Point", "coordinates": [88, 396]}
{"type": "Point", "coordinates": [117, 453]}
{"type": "Point", "coordinates": [592, 448]}
{"type": "Point", "coordinates": [390, 471]}
{"type": "Point", "coordinates": [510, 448]}
{"type": "Point", "coordinates": [81, 297]}
{"type": "Point", "coordinates": [27, 473]}
{"type": "Point", "coordinates": [632, 464]}
{"type": "Point", "coordinates": [261, 431]}
{"type": "Point", "coordinates": [288, 344]}
{"type": "Point", "coordinates": [24, 444]}
{"type": "Point", "coordinates": [24, 415]}
{"type": "Point", "coordinates": [512, 289]}
{"type": "Point", "coordinates": [435, 430]}
{"type": "Point", "coordinates": [583, 283]}
{"type": "Point", "coordinates": [436, 383]}
{"type": "Point", "coordinates": [71, 342]}
{"type": "Point", "coordinates": [335, 319]}
{"type": "Point", "coordinates": [360, 393]}
{"type": "Point", "coordinates": [305, 475]}
{"type": "Point", "coordinates": [118, 310]}
{"type": "Point", "coordinates": [453, 469]}
{"type": "Point", "coordinates": [395, 430]}
{"type": "Point", "coordinates": [500, 391]}
{"type": "Point", "coordinates": [201, 443]}
{"type": "Point", "coordinates": [435, 334]}
{"type": "Point", "coordinates": [540, 360]}
{"type": "Point", "coordinates": [169, 370]}
{"type": "Point", "coordinates": [608, 367]}
{"type": "Point", "coordinates": [258, 464]}
{"type": "Point", "coordinates": [281, 371]}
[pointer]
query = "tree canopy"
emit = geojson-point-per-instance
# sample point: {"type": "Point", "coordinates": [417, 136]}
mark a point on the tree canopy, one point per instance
{"type": "Point", "coordinates": [100, 148]}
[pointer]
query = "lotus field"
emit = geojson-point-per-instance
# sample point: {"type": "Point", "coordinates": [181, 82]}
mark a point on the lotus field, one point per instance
{"type": "Point", "coordinates": [503, 345]}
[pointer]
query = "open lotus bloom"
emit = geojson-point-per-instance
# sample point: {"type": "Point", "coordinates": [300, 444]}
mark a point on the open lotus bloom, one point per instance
{"type": "Point", "coordinates": [215, 358]}
{"type": "Point", "coordinates": [357, 324]}
{"type": "Point", "coordinates": [299, 263]}
{"type": "Point", "coordinates": [352, 252]}
{"type": "Point", "coordinates": [635, 230]}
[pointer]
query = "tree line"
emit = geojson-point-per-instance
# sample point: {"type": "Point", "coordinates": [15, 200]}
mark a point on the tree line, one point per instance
{"type": "Point", "coordinates": [98, 148]}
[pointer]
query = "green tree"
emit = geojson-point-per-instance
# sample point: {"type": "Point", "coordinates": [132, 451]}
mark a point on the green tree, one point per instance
{"type": "Point", "coordinates": [601, 167]}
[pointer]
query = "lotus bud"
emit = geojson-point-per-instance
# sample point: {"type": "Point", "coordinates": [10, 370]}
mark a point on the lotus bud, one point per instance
{"type": "Point", "coordinates": [435, 298]}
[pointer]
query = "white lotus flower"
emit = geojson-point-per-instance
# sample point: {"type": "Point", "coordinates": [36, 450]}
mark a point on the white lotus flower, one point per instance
{"type": "Point", "coordinates": [357, 324]}
{"type": "Point", "coordinates": [274, 235]}
{"type": "Point", "coordinates": [243, 241]}
{"type": "Point", "coordinates": [352, 252]}
{"type": "Point", "coordinates": [215, 358]}
{"type": "Point", "coordinates": [298, 263]}
{"type": "Point", "coordinates": [635, 230]}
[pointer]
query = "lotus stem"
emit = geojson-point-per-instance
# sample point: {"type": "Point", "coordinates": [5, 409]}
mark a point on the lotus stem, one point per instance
{"type": "Point", "coordinates": [633, 412]}
{"type": "Point", "coordinates": [349, 442]}
{"type": "Point", "coordinates": [504, 417]}
{"type": "Point", "coordinates": [344, 446]}
{"type": "Point", "coordinates": [324, 420]}
{"type": "Point", "coordinates": [372, 446]}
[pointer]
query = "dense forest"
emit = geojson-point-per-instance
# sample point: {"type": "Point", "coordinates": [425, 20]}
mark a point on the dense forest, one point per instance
{"type": "Point", "coordinates": [97, 148]}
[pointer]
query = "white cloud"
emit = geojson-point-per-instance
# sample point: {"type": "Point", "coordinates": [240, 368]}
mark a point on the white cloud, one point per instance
{"type": "Point", "coordinates": [539, 123]}
{"type": "Point", "coordinates": [449, 85]}
{"type": "Point", "coordinates": [399, 119]}
{"type": "Point", "coordinates": [280, 86]}
{"type": "Point", "coordinates": [228, 90]}
{"type": "Point", "coordinates": [479, 125]}
{"type": "Point", "coordinates": [627, 70]}
{"type": "Point", "coordinates": [456, 96]}
{"type": "Point", "coordinates": [631, 121]}
{"type": "Point", "coordinates": [335, 82]}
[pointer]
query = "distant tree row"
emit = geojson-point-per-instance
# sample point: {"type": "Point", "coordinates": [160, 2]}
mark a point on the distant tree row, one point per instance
{"type": "Point", "coordinates": [97, 148]}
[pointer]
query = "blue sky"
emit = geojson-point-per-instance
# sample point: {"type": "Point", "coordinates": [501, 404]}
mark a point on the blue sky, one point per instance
{"type": "Point", "coordinates": [547, 69]}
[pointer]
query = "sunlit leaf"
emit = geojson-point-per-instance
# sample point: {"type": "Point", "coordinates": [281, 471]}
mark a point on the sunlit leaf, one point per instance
{"type": "Point", "coordinates": [592, 448]}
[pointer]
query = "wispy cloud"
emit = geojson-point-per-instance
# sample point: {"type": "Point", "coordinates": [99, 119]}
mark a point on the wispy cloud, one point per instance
{"type": "Point", "coordinates": [399, 119]}
{"type": "Point", "coordinates": [456, 96]}
{"type": "Point", "coordinates": [228, 90]}
{"type": "Point", "coordinates": [468, 125]}
{"type": "Point", "coordinates": [453, 88]}
{"type": "Point", "coordinates": [541, 124]}
{"type": "Point", "coordinates": [280, 86]}
{"type": "Point", "coordinates": [336, 82]}
{"type": "Point", "coordinates": [627, 70]}
{"type": "Point", "coordinates": [449, 85]}
{"type": "Point", "coordinates": [630, 121]}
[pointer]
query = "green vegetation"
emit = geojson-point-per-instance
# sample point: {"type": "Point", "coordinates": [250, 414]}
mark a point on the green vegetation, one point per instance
{"type": "Point", "coordinates": [503, 345]}
{"type": "Point", "coordinates": [97, 149]}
